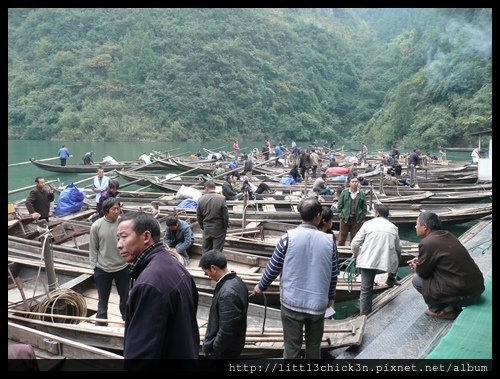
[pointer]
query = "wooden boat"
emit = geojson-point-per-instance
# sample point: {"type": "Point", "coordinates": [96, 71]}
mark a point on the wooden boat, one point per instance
{"type": "Point", "coordinates": [458, 197]}
{"type": "Point", "coordinates": [81, 168]}
{"type": "Point", "coordinates": [261, 239]}
{"type": "Point", "coordinates": [264, 331]}
{"type": "Point", "coordinates": [428, 197]}
{"type": "Point", "coordinates": [437, 187]}
{"type": "Point", "coordinates": [401, 214]}
{"type": "Point", "coordinates": [51, 346]}
{"type": "Point", "coordinates": [70, 244]}
{"type": "Point", "coordinates": [23, 225]}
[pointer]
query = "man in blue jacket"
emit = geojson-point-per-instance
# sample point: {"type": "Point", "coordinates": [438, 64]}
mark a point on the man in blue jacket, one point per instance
{"type": "Point", "coordinates": [178, 237]}
{"type": "Point", "coordinates": [63, 154]}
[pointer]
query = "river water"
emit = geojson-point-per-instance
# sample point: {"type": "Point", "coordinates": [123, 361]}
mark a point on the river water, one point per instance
{"type": "Point", "coordinates": [24, 175]}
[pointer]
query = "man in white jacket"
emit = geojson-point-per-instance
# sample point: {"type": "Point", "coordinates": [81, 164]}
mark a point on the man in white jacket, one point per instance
{"type": "Point", "coordinates": [376, 248]}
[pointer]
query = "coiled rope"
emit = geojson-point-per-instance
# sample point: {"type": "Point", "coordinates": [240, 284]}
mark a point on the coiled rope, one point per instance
{"type": "Point", "coordinates": [64, 302]}
{"type": "Point", "coordinates": [59, 301]}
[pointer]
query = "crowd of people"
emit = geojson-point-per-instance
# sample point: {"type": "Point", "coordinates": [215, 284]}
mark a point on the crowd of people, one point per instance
{"type": "Point", "coordinates": [159, 298]}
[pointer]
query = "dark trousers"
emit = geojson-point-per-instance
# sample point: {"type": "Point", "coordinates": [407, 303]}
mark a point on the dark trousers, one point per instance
{"type": "Point", "coordinates": [263, 187]}
{"type": "Point", "coordinates": [104, 281]}
{"type": "Point", "coordinates": [345, 227]}
{"type": "Point", "coordinates": [213, 241]}
{"type": "Point", "coordinates": [63, 161]}
{"type": "Point", "coordinates": [366, 294]}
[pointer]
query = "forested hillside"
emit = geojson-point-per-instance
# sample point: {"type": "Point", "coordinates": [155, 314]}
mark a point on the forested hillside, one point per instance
{"type": "Point", "coordinates": [414, 77]}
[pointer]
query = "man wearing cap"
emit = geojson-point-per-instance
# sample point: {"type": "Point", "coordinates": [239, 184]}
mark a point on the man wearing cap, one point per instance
{"type": "Point", "coordinates": [178, 237]}
{"type": "Point", "coordinates": [213, 218]}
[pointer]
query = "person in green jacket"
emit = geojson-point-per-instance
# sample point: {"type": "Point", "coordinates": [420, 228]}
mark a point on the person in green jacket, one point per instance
{"type": "Point", "coordinates": [351, 209]}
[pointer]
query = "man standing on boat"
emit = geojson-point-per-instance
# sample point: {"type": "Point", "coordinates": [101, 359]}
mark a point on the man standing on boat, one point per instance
{"type": "Point", "coordinates": [227, 320]}
{"type": "Point", "coordinates": [106, 261]}
{"type": "Point", "coordinates": [363, 154]}
{"type": "Point", "coordinates": [39, 199]}
{"type": "Point", "coordinates": [160, 320]}
{"type": "Point", "coordinates": [306, 258]}
{"type": "Point", "coordinates": [63, 154]}
{"type": "Point", "coordinates": [376, 247]}
{"type": "Point", "coordinates": [213, 218]}
{"type": "Point", "coordinates": [445, 273]}
{"type": "Point", "coordinates": [475, 156]}
{"type": "Point", "coordinates": [352, 210]}
{"type": "Point", "coordinates": [100, 184]}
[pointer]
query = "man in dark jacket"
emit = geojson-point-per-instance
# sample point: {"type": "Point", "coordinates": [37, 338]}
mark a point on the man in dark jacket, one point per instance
{"type": "Point", "coordinates": [213, 218]}
{"type": "Point", "coordinates": [160, 319]}
{"type": "Point", "coordinates": [39, 199]}
{"type": "Point", "coordinates": [112, 191]}
{"type": "Point", "coordinates": [228, 188]}
{"type": "Point", "coordinates": [178, 237]}
{"type": "Point", "coordinates": [446, 275]}
{"type": "Point", "coordinates": [227, 320]}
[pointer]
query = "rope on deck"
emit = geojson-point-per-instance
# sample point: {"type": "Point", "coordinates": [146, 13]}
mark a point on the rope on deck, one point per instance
{"type": "Point", "coordinates": [350, 271]}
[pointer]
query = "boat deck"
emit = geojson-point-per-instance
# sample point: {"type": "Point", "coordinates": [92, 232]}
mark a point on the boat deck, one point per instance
{"type": "Point", "coordinates": [398, 328]}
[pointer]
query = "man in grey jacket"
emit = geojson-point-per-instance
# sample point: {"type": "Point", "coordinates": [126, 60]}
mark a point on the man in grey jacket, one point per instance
{"type": "Point", "coordinates": [376, 248]}
{"type": "Point", "coordinates": [106, 261]}
{"type": "Point", "coordinates": [306, 258]}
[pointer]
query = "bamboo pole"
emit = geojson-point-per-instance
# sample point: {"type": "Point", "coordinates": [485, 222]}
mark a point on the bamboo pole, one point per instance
{"type": "Point", "coordinates": [164, 180]}
{"type": "Point", "coordinates": [111, 177]}
{"type": "Point", "coordinates": [81, 318]}
{"type": "Point", "coordinates": [38, 160]}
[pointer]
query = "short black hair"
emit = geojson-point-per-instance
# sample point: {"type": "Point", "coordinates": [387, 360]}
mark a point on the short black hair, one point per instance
{"type": "Point", "coordinates": [171, 220]}
{"type": "Point", "coordinates": [113, 183]}
{"type": "Point", "coordinates": [383, 210]}
{"type": "Point", "coordinates": [143, 221]}
{"type": "Point", "coordinates": [326, 215]}
{"type": "Point", "coordinates": [213, 257]}
{"type": "Point", "coordinates": [108, 203]}
{"type": "Point", "coordinates": [209, 184]}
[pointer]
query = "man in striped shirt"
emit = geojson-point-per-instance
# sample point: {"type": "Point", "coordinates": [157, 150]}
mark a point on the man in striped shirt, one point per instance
{"type": "Point", "coordinates": [306, 258]}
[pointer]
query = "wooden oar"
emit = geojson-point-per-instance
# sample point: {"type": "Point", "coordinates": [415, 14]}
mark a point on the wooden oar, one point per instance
{"type": "Point", "coordinates": [66, 317]}
{"type": "Point", "coordinates": [29, 187]}
{"type": "Point", "coordinates": [86, 179]}
{"type": "Point", "coordinates": [38, 160]}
